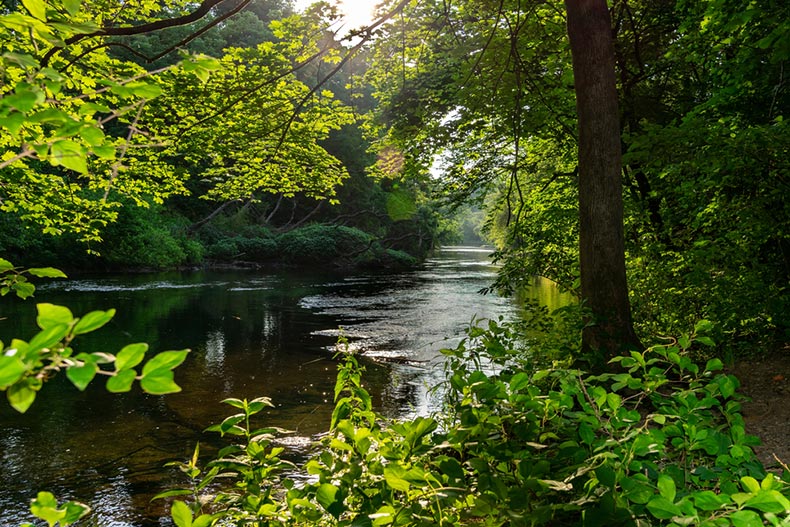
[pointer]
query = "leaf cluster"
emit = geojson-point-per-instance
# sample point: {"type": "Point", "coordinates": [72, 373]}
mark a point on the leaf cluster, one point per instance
{"type": "Point", "coordinates": [658, 441]}
{"type": "Point", "coordinates": [26, 365]}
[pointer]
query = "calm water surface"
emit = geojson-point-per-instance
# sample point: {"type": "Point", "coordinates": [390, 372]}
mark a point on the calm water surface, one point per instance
{"type": "Point", "coordinates": [252, 333]}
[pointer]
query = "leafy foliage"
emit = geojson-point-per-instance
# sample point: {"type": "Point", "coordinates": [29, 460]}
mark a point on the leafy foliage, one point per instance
{"type": "Point", "coordinates": [59, 161]}
{"type": "Point", "coordinates": [484, 93]}
{"type": "Point", "coordinates": [26, 365]}
{"type": "Point", "coordinates": [659, 441]}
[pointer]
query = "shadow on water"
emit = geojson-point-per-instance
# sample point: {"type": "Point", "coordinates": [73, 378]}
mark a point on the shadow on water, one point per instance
{"type": "Point", "coordinates": [253, 333]}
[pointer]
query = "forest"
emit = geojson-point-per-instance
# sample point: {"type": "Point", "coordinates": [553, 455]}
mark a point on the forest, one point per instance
{"type": "Point", "coordinates": [634, 152]}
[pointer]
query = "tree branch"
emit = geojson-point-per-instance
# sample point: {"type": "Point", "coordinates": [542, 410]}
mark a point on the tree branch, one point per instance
{"type": "Point", "coordinates": [202, 10]}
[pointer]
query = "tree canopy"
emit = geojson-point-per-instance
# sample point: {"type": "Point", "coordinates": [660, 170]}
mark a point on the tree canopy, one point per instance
{"type": "Point", "coordinates": [486, 91]}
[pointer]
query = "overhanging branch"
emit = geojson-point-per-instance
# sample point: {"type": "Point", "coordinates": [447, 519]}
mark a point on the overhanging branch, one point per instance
{"type": "Point", "coordinates": [202, 10]}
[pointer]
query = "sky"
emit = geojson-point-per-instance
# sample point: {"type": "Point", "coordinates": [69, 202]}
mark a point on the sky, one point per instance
{"type": "Point", "coordinates": [358, 12]}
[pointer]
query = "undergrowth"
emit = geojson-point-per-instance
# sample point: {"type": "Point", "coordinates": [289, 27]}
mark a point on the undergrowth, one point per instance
{"type": "Point", "coordinates": [660, 440]}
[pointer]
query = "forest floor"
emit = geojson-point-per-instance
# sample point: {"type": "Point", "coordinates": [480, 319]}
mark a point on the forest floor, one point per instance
{"type": "Point", "coordinates": [767, 383]}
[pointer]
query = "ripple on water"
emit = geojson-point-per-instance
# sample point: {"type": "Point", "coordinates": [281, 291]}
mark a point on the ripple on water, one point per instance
{"type": "Point", "coordinates": [110, 286]}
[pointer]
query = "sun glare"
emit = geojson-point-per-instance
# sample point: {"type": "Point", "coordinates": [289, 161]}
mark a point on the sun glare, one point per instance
{"type": "Point", "coordinates": [357, 13]}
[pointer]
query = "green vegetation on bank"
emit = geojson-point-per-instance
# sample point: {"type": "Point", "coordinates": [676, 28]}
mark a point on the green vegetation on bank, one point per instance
{"type": "Point", "coordinates": [127, 143]}
{"type": "Point", "coordinates": [523, 439]}
{"type": "Point", "coordinates": [152, 240]}
{"type": "Point", "coordinates": [703, 127]}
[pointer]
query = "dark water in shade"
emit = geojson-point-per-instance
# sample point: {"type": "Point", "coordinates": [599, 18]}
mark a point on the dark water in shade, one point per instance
{"type": "Point", "coordinates": [252, 333]}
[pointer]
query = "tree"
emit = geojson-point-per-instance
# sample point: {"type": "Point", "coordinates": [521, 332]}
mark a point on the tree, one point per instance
{"type": "Point", "coordinates": [604, 288]}
{"type": "Point", "coordinates": [491, 89]}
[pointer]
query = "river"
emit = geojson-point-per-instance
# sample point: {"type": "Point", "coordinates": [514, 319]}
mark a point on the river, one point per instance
{"type": "Point", "coordinates": [252, 333]}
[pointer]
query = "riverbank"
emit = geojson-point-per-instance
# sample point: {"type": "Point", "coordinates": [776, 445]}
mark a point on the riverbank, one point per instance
{"type": "Point", "coordinates": [766, 381]}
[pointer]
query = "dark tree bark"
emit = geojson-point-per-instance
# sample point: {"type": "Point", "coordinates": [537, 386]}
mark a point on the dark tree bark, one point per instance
{"type": "Point", "coordinates": [604, 287]}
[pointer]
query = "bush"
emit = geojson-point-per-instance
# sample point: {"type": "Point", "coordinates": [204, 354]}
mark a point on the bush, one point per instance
{"type": "Point", "coordinates": [224, 249]}
{"type": "Point", "coordinates": [320, 244]}
{"type": "Point", "coordinates": [149, 238]}
{"type": "Point", "coordinates": [660, 441]}
{"type": "Point", "coordinates": [257, 249]}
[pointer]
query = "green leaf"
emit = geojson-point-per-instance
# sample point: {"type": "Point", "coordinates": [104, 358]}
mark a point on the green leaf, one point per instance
{"type": "Point", "coordinates": [236, 403]}
{"type": "Point", "coordinates": [81, 376]}
{"type": "Point", "coordinates": [181, 514]}
{"type": "Point", "coordinates": [703, 326]}
{"type": "Point", "coordinates": [769, 501]}
{"type": "Point", "coordinates": [92, 135]}
{"type": "Point", "coordinates": [104, 152]}
{"type": "Point", "coordinates": [204, 520]}
{"type": "Point", "coordinates": [52, 315]}
{"type": "Point", "coordinates": [69, 154]}
{"type": "Point", "coordinates": [586, 434]}
{"type": "Point", "coordinates": [166, 360]}
{"type": "Point", "coordinates": [613, 401]}
{"type": "Point", "coordinates": [13, 122]}
{"type": "Point", "coordinates": [159, 382]}
{"type": "Point", "coordinates": [46, 339]}
{"type": "Point", "coordinates": [383, 516]}
{"type": "Point", "coordinates": [5, 265]}
{"type": "Point", "coordinates": [395, 476]}
{"type": "Point", "coordinates": [22, 394]}
{"type": "Point", "coordinates": [710, 501]}
{"type": "Point", "coordinates": [45, 507]}
{"type": "Point", "coordinates": [636, 489]}
{"type": "Point", "coordinates": [130, 356]}
{"type": "Point", "coordinates": [24, 100]}
{"type": "Point", "coordinates": [229, 422]}
{"type": "Point", "coordinates": [714, 365]}
{"type": "Point", "coordinates": [11, 370]}
{"type": "Point", "coordinates": [37, 8]}
{"type": "Point", "coordinates": [519, 382]}
{"type": "Point", "coordinates": [51, 116]}
{"type": "Point", "coordinates": [768, 481]}
{"type": "Point", "coordinates": [121, 382]}
{"type": "Point", "coordinates": [746, 519]}
{"type": "Point", "coordinates": [74, 511]}
{"type": "Point", "coordinates": [727, 385]}
{"type": "Point", "coordinates": [606, 475]}
{"type": "Point", "coordinates": [258, 404]}
{"type": "Point", "coordinates": [72, 6]}
{"type": "Point", "coordinates": [24, 289]}
{"type": "Point", "coordinates": [93, 321]}
{"type": "Point", "coordinates": [750, 484]}
{"type": "Point", "coordinates": [45, 499]}
{"type": "Point", "coordinates": [666, 487]}
{"type": "Point", "coordinates": [662, 508]}
{"type": "Point", "coordinates": [144, 90]}
{"type": "Point", "coordinates": [326, 495]}
{"type": "Point", "coordinates": [172, 493]}
{"type": "Point", "coordinates": [22, 59]}
{"type": "Point", "coordinates": [46, 272]}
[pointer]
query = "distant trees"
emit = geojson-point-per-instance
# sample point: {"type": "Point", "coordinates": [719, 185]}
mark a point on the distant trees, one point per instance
{"type": "Point", "coordinates": [84, 130]}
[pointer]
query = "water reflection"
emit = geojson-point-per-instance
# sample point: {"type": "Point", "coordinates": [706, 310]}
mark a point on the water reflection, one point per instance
{"type": "Point", "coordinates": [253, 333]}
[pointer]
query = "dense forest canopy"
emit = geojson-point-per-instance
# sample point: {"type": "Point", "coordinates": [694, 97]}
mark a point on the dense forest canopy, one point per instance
{"type": "Point", "coordinates": [633, 151]}
{"type": "Point", "coordinates": [702, 90]}
{"type": "Point", "coordinates": [258, 125]}
{"type": "Point", "coordinates": [237, 122]}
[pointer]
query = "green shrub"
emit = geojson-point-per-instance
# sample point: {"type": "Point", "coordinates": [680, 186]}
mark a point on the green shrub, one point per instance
{"type": "Point", "coordinates": [257, 249]}
{"type": "Point", "coordinates": [659, 441]}
{"type": "Point", "coordinates": [223, 249]}
{"type": "Point", "coordinates": [390, 259]}
{"type": "Point", "coordinates": [319, 243]}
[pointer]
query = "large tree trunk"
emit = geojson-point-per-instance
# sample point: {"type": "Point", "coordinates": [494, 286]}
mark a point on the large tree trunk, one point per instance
{"type": "Point", "coordinates": [601, 247]}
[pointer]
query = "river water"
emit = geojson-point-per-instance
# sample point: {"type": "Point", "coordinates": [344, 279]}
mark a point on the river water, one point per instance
{"type": "Point", "coordinates": [252, 333]}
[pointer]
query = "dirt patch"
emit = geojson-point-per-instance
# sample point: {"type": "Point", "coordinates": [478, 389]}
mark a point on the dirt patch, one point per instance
{"type": "Point", "coordinates": [767, 383]}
